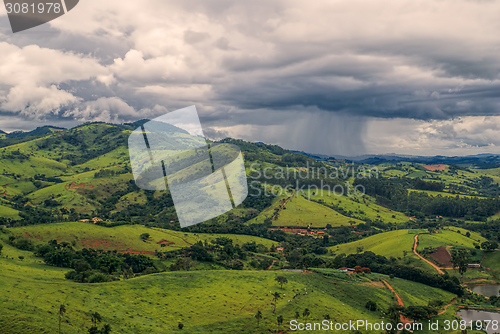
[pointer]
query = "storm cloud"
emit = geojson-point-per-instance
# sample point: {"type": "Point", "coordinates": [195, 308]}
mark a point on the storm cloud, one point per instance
{"type": "Point", "coordinates": [332, 77]}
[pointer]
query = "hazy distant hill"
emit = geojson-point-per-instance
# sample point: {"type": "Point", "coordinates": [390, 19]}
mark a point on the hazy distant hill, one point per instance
{"type": "Point", "coordinates": [485, 160]}
{"type": "Point", "coordinates": [42, 130]}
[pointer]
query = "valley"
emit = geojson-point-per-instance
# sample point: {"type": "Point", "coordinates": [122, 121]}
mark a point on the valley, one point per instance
{"type": "Point", "coordinates": [76, 231]}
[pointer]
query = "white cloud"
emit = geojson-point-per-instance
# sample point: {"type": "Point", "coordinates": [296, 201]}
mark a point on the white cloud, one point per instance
{"type": "Point", "coordinates": [104, 109]}
{"type": "Point", "coordinates": [247, 65]}
{"type": "Point", "coordinates": [31, 76]}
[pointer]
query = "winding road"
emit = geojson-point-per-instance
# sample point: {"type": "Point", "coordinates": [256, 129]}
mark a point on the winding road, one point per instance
{"type": "Point", "coordinates": [415, 242]}
{"type": "Point", "coordinates": [400, 302]}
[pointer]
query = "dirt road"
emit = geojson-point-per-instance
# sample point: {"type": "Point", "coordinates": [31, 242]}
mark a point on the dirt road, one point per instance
{"type": "Point", "coordinates": [400, 302]}
{"type": "Point", "coordinates": [415, 242]}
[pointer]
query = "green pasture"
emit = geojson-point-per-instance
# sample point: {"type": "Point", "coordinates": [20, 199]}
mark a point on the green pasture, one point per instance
{"type": "Point", "coordinates": [121, 238]}
{"type": "Point", "coordinates": [301, 212]}
{"type": "Point", "coordinates": [363, 207]}
{"type": "Point", "coordinates": [492, 260]}
{"type": "Point", "coordinates": [449, 238]}
{"type": "Point", "coordinates": [8, 212]}
{"type": "Point", "coordinates": [387, 244]}
{"type": "Point", "coordinates": [203, 301]}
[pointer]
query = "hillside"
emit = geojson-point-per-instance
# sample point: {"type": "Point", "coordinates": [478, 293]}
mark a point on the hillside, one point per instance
{"type": "Point", "coordinates": [386, 244]}
{"type": "Point", "coordinates": [301, 212]}
{"type": "Point", "coordinates": [121, 238]}
{"type": "Point", "coordinates": [159, 302]}
{"type": "Point", "coordinates": [362, 208]}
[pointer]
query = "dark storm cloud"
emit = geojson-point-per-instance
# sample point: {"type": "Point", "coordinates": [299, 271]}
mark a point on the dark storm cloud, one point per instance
{"type": "Point", "coordinates": [251, 65]}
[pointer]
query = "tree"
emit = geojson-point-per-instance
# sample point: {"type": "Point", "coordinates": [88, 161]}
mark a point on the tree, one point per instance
{"type": "Point", "coordinates": [419, 313]}
{"type": "Point", "coordinates": [180, 325]}
{"type": "Point", "coordinates": [371, 305]}
{"type": "Point", "coordinates": [95, 318]}
{"type": "Point", "coordinates": [394, 312]}
{"type": "Point", "coordinates": [275, 297]}
{"type": "Point", "coordinates": [258, 316]}
{"type": "Point", "coordinates": [394, 315]}
{"type": "Point", "coordinates": [279, 320]}
{"type": "Point", "coordinates": [306, 313]}
{"type": "Point", "coordinates": [489, 245]}
{"type": "Point", "coordinates": [460, 258]}
{"type": "Point", "coordinates": [281, 280]}
{"type": "Point", "coordinates": [106, 329]}
{"type": "Point", "coordinates": [1, 246]}
{"type": "Point", "coordinates": [62, 310]}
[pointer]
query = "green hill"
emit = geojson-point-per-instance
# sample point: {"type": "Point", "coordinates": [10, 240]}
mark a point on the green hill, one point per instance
{"type": "Point", "coordinates": [299, 211]}
{"type": "Point", "coordinates": [449, 238]}
{"type": "Point", "coordinates": [387, 244]}
{"type": "Point", "coordinates": [203, 301]}
{"type": "Point", "coordinates": [121, 238]}
{"type": "Point", "coordinates": [363, 208]}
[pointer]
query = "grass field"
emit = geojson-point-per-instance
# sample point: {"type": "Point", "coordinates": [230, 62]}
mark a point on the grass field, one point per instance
{"type": "Point", "coordinates": [446, 176]}
{"type": "Point", "coordinates": [7, 212]}
{"type": "Point", "coordinates": [301, 212]}
{"type": "Point", "coordinates": [449, 238]}
{"type": "Point", "coordinates": [361, 207]}
{"type": "Point", "coordinates": [442, 193]}
{"type": "Point", "coordinates": [73, 194]}
{"type": "Point", "coordinates": [387, 244]}
{"type": "Point", "coordinates": [204, 301]}
{"type": "Point", "coordinates": [492, 260]}
{"type": "Point", "coordinates": [394, 243]}
{"type": "Point", "coordinates": [124, 237]}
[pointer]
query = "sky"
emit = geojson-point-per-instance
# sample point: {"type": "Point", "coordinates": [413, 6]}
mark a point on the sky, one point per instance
{"type": "Point", "coordinates": [348, 77]}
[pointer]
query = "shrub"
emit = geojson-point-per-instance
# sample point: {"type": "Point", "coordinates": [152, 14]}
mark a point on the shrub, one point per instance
{"type": "Point", "coordinates": [371, 305]}
{"type": "Point", "coordinates": [98, 278]}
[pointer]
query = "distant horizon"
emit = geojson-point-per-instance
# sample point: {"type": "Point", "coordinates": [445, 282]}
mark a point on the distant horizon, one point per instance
{"type": "Point", "coordinates": [268, 143]}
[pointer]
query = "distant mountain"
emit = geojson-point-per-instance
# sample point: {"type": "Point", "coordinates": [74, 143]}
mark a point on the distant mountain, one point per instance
{"type": "Point", "coordinates": [483, 160]}
{"type": "Point", "coordinates": [39, 131]}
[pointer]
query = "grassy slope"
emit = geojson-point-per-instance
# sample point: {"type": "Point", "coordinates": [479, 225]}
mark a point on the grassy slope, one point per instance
{"type": "Point", "coordinates": [8, 212]}
{"type": "Point", "coordinates": [458, 178]}
{"type": "Point", "coordinates": [73, 193]}
{"type": "Point", "coordinates": [387, 244]}
{"type": "Point", "coordinates": [442, 193]}
{"type": "Point", "coordinates": [156, 303]}
{"type": "Point", "coordinates": [451, 238]}
{"type": "Point", "coordinates": [362, 207]}
{"type": "Point", "coordinates": [301, 212]}
{"type": "Point", "coordinates": [492, 260]}
{"type": "Point", "coordinates": [121, 237]}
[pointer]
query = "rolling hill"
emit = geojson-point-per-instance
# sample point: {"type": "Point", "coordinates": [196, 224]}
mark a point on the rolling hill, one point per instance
{"type": "Point", "coordinates": [121, 238]}
{"type": "Point", "coordinates": [387, 244]}
{"type": "Point", "coordinates": [203, 301]}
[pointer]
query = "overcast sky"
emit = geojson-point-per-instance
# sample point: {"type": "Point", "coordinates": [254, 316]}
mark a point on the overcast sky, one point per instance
{"type": "Point", "coordinates": [333, 77]}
